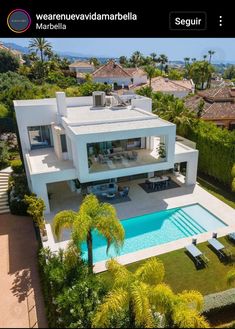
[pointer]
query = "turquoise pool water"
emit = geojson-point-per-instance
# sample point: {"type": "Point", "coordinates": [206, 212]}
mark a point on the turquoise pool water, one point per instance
{"type": "Point", "coordinates": [157, 228]}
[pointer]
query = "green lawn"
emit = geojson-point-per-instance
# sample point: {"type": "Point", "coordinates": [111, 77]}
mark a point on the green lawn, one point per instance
{"type": "Point", "coordinates": [181, 272]}
{"type": "Point", "coordinates": [218, 192]}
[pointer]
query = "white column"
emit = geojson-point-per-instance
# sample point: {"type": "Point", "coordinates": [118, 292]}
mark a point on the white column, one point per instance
{"type": "Point", "coordinates": [191, 170]}
{"type": "Point", "coordinates": [40, 189]}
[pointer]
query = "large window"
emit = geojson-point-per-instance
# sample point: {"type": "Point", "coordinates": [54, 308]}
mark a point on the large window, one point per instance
{"type": "Point", "coordinates": [40, 137]}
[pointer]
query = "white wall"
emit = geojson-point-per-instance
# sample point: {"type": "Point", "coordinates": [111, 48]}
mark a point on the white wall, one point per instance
{"type": "Point", "coordinates": [120, 81]}
{"type": "Point", "coordinates": [138, 80]}
{"type": "Point", "coordinates": [191, 157]}
{"type": "Point", "coordinates": [81, 160]}
{"type": "Point", "coordinates": [37, 115]}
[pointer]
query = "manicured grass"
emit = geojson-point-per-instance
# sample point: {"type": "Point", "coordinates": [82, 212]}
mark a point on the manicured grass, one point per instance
{"type": "Point", "coordinates": [182, 274]}
{"type": "Point", "coordinates": [218, 192]}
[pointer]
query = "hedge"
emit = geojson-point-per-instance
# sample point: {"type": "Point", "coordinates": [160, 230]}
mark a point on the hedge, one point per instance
{"type": "Point", "coordinates": [216, 150]}
{"type": "Point", "coordinates": [17, 166]}
{"type": "Point", "coordinates": [217, 302]}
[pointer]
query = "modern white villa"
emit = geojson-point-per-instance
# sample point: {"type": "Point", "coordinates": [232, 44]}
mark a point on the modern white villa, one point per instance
{"type": "Point", "coordinates": [97, 139]}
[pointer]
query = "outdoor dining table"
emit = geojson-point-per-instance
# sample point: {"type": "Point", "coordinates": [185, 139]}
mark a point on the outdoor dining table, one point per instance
{"type": "Point", "coordinates": [156, 180]}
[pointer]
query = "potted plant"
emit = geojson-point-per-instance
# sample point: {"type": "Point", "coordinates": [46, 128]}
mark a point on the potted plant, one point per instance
{"type": "Point", "coordinates": [162, 151]}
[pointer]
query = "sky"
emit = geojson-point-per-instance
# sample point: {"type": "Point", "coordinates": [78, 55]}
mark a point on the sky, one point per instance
{"type": "Point", "coordinates": [174, 48]}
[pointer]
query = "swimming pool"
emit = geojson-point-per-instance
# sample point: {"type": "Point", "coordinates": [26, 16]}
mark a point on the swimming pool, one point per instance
{"type": "Point", "coordinates": [157, 228]}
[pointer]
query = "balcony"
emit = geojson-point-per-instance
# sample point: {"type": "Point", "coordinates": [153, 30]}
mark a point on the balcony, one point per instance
{"type": "Point", "coordinates": [124, 158]}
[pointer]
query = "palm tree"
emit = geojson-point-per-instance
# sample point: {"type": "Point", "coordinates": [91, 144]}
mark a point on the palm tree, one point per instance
{"type": "Point", "coordinates": [40, 45]}
{"type": "Point", "coordinates": [193, 59]}
{"type": "Point", "coordinates": [136, 58]}
{"type": "Point", "coordinates": [150, 70]}
{"type": "Point", "coordinates": [230, 277]}
{"type": "Point", "coordinates": [153, 57]}
{"type": "Point", "coordinates": [211, 53]}
{"type": "Point", "coordinates": [186, 61]}
{"type": "Point", "coordinates": [91, 216]}
{"type": "Point", "coordinates": [162, 59]}
{"type": "Point", "coordinates": [147, 301]}
{"type": "Point", "coordinates": [204, 57]}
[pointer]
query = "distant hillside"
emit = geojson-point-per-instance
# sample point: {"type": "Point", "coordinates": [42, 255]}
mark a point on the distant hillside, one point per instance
{"type": "Point", "coordinates": [12, 45]}
{"type": "Point", "coordinates": [72, 56]}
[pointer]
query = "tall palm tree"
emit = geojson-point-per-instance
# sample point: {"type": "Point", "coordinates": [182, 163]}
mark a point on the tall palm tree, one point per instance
{"type": "Point", "coordinates": [40, 45]}
{"type": "Point", "coordinates": [162, 59]}
{"type": "Point", "coordinates": [204, 57]}
{"type": "Point", "coordinates": [211, 53]}
{"type": "Point", "coordinates": [143, 295]}
{"type": "Point", "coordinates": [186, 61]}
{"type": "Point", "coordinates": [193, 59]}
{"type": "Point", "coordinates": [150, 70]}
{"type": "Point", "coordinates": [92, 215]}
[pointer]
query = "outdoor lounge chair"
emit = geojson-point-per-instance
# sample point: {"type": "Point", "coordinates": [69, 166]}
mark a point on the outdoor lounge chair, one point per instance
{"type": "Point", "coordinates": [199, 257]}
{"type": "Point", "coordinates": [231, 236]}
{"type": "Point", "coordinates": [220, 248]}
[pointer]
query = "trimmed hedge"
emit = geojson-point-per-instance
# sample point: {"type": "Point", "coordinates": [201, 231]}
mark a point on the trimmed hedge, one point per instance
{"type": "Point", "coordinates": [216, 150]}
{"type": "Point", "coordinates": [217, 302]}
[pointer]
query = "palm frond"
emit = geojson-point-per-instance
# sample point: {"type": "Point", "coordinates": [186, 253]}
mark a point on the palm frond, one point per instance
{"type": "Point", "coordinates": [120, 274]}
{"type": "Point", "coordinates": [63, 220]}
{"type": "Point", "coordinates": [109, 226]}
{"type": "Point", "coordinates": [151, 272]}
{"type": "Point", "coordinates": [192, 298]}
{"type": "Point", "coordinates": [188, 318]}
{"type": "Point", "coordinates": [115, 301]}
{"type": "Point", "coordinates": [162, 297]}
{"type": "Point", "coordinates": [142, 308]}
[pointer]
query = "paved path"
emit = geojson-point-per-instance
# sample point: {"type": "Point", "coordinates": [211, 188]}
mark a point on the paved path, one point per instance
{"type": "Point", "coordinates": [21, 301]}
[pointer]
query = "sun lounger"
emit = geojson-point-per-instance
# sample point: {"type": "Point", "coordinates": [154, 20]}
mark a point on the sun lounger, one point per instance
{"type": "Point", "coordinates": [197, 254]}
{"type": "Point", "coordinates": [220, 248]}
{"type": "Point", "coordinates": [232, 236]}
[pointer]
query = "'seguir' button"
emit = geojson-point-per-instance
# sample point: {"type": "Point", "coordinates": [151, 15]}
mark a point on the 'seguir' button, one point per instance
{"type": "Point", "coordinates": [187, 20]}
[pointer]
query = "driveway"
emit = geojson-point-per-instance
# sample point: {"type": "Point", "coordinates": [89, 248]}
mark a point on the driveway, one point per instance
{"type": "Point", "coordinates": [21, 300]}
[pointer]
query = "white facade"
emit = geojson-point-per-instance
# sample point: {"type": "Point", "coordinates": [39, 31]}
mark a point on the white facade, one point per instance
{"type": "Point", "coordinates": [126, 81]}
{"type": "Point", "coordinates": [68, 138]}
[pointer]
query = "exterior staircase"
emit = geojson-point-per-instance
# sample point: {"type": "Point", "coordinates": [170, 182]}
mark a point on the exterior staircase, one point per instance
{"type": "Point", "coordinates": [4, 207]}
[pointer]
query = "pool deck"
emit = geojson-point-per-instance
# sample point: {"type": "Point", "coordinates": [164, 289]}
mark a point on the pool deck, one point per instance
{"type": "Point", "coordinates": [142, 203]}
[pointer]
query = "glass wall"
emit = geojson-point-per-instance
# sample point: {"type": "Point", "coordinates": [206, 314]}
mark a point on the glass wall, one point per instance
{"type": "Point", "coordinates": [125, 153]}
{"type": "Point", "coordinates": [40, 137]}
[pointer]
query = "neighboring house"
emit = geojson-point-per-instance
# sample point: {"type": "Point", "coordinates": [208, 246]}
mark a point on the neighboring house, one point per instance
{"type": "Point", "coordinates": [114, 73]}
{"type": "Point", "coordinates": [96, 138]}
{"type": "Point", "coordinates": [81, 68]}
{"type": "Point", "coordinates": [178, 88]}
{"type": "Point", "coordinates": [219, 106]}
{"type": "Point", "coordinates": [14, 52]}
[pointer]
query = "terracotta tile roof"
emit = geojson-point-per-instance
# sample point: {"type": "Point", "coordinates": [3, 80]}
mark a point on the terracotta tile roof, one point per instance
{"type": "Point", "coordinates": [219, 103]}
{"type": "Point", "coordinates": [164, 84]}
{"type": "Point", "coordinates": [219, 111]}
{"type": "Point", "coordinates": [135, 71]}
{"type": "Point", "coordinates": [81, 64]}
{"type": "Point", "coordinates": [111, 69]}
{"type": "Point", "coordinates": [215, 94]}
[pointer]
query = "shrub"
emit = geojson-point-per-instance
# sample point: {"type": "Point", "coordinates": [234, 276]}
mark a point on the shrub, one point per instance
{"type": "Point", "coordinates": [18, 187]}
{"type": "Point", "coordinates": [3, 111]}
{"type": "Point", "coordinates": [4, 154]}
{"type": "Point", "coordinates": [71, 294]}
{"type": "Point", "coordinates": [17, 166]}
{"type": "Point", "coordinates": [214, 303]}
{"type": "Point", "coordinates": [36, 207]}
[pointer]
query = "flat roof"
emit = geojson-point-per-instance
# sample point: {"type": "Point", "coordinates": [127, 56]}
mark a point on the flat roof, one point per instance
{"type": "Point", "coordinates": [89, 114]}
{"type": "Point", "coordinates": [125, 125]}
{"type": "Point", "coordinates": [35, 102]}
